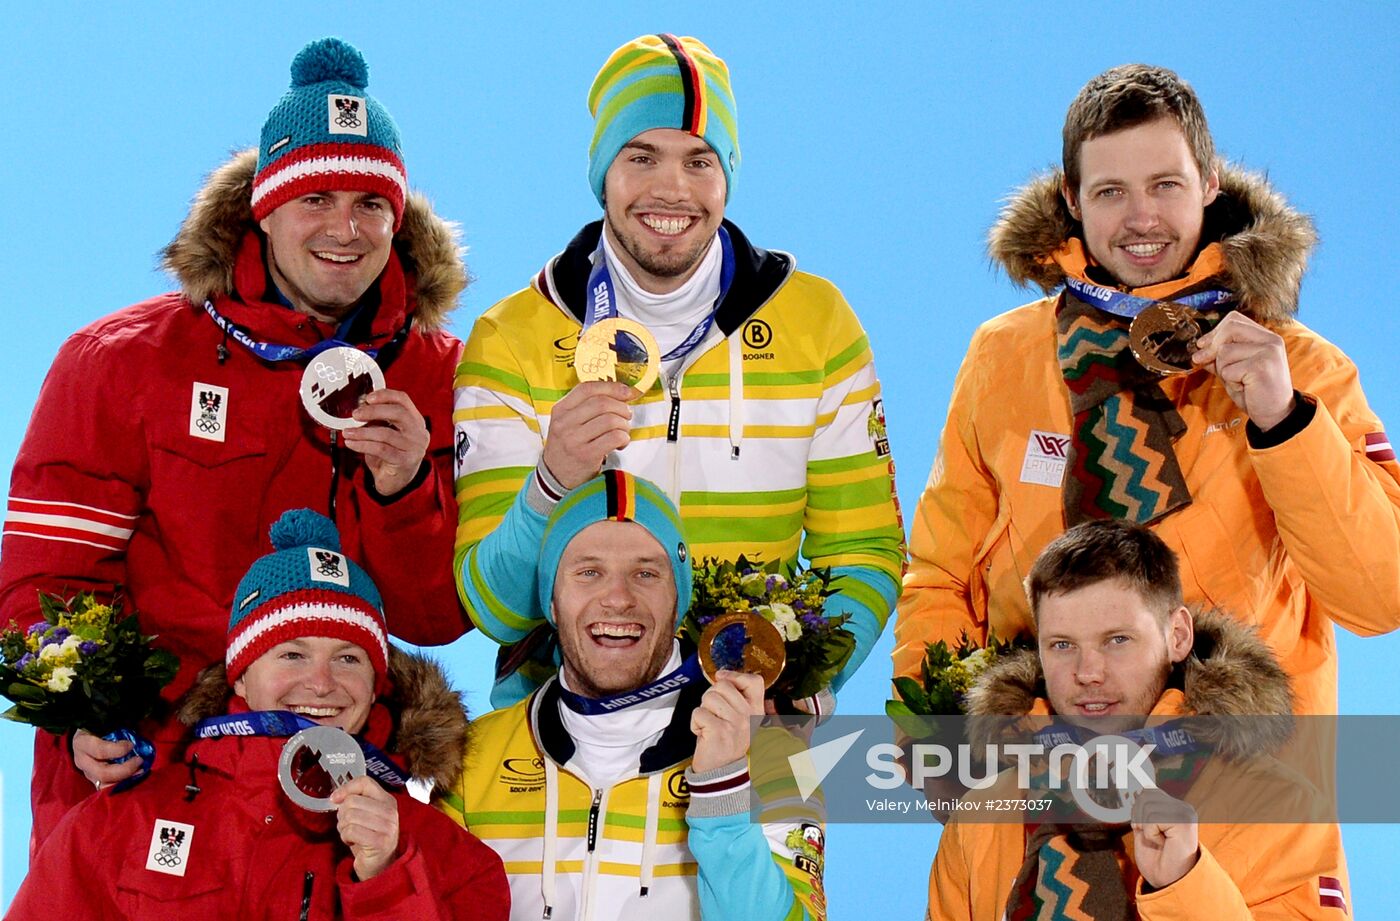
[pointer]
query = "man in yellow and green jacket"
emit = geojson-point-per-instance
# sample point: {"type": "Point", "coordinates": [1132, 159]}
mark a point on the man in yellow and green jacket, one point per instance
{"type": "Point", "coordinates": [765, 425]}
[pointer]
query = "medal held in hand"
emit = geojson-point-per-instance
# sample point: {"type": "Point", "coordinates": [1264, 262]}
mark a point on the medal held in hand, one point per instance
{"type": "Point", "coordinates": [618, 349]}
{"type": "Point", "coordinates": [315, 763]}
{"type": "Point", "coordinates": [335, 382]}
{"type": "Point", "coordinates": [1164, 335]}
{"type": "Point", "coordinates": [742, 641]}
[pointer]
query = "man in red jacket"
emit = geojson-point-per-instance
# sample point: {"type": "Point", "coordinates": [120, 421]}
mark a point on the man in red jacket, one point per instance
{"type": "Point", "coordinates": [169, 435]}
{"type": "Point", "coordinates": [216, 836]}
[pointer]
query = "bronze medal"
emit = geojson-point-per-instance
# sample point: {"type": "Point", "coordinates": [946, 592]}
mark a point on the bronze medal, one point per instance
{"type": "Point", "coordinates": [742, 641]}
{"type": "Point", "coordinates": [315, 763]}
{"type": "Point", "coordinates": [618, 349]}
{"type": "Point", "coordinates": [1164, 335]}
{"type": "Point", "coordinates": [335, 382]}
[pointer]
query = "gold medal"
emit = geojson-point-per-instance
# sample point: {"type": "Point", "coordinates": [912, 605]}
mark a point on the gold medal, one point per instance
{"type": "Point", "coordinates": [742, 641]}
{"type": "Point", "coordinates": [618, 349]}
{"type": "Point", "coordinates": [1164, 335]}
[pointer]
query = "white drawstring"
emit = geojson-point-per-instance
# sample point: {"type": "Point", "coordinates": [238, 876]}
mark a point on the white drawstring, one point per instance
{"type": "Point", "coordinates": [551, 834]}
{"type": "Point", "coordinates": [649, 836]}
{"type": "Point", "coordinates": [736, 395]}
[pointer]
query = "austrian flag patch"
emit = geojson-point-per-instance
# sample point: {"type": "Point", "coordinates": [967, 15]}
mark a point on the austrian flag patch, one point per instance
{"type": "Point", "coordinates": [1378, 447]}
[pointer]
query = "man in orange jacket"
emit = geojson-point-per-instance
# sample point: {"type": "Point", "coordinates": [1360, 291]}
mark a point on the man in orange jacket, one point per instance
{"type": "Point", "coordinates": [1259, 463]}
{"type": "Point", "coordinates": [1116, 644]}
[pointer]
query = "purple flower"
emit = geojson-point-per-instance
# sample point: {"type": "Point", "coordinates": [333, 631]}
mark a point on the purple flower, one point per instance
{"type": "Point", "coordinates": [87, 647]}
{"type": "Point", "coordinates": [61, 633]}
{"type": "Point", "coordinates": [24, 661]}
{"type": "Point", "coordinates": [38, 627]}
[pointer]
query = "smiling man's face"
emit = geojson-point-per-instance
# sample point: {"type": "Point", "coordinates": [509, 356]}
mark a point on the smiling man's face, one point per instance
{"type": "Point", "coordinates": [1105, 653]}
{"type": "Point", "coordinates": [615, 607]}
{"type": "Point", "coordinates": [326, 248]}
{"type": "Point", "coordinates": [665, 201]}
{"type": "Point", "coordinates": [1142, 201]}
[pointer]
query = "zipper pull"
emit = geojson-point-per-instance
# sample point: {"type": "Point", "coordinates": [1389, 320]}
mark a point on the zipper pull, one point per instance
{"type": "Point", "coordinates": [673, 428]}
{"type": "Point", "coordinates": [306, 895]}
{"type": "Point", "coordinates": [593, 820]}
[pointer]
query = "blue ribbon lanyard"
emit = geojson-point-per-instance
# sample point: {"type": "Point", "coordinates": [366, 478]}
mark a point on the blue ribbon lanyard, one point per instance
{"type": "Point", "coordinates": [602, 295]}
{"type": "Point", "coordinates": [283, 723]}
{"type": "Point", "coordinates": [1130, 305]}
{"type": "Point", "coordinates": [687, 673]}
{"type": "Point", "coordinates": [271, 352]}
{"type": "Point", "coordinates": [1170, 738]}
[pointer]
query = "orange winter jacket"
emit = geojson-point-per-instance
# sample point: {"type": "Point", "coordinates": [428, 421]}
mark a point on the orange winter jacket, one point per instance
{"type": "Point", "coordinates": [1291, 538]}
{"type": "Point", "coordinates": [1245, 872]}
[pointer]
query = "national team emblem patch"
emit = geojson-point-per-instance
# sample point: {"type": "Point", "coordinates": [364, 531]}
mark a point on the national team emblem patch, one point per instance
{"type": "Point", "coordinates": [170, 847]}
{"type": "Point", "coordinates": [877, 430]}
{"type": "Point", "coordinates": [208, 412]}
{"type": "Point", "coordinates": [1046, 455]}
{"type": "Point", "coordinates": [347, 115]}
{"type": "Point", "coordinates": [328, 566]}
{"type": "Point", "coordinates": [1378, 447]}
{"type": "Point", "coordinates": [1329, 893]}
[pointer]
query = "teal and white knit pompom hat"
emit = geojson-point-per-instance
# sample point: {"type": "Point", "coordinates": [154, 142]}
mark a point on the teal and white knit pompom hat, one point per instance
{"type": "Point", "coordinates": [306, 587]}
{"type": "Point", "coordinates": [328, 134]}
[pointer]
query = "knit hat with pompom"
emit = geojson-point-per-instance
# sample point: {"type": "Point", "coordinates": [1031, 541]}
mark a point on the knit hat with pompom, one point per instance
{"type": "Point", "coordinates": [328, 134]}
{"type": "Point", "coordinates": [307, 587]}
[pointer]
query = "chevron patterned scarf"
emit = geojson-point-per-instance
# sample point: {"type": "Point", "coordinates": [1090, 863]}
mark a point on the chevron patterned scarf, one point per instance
{"type": "Point", "coordinates": [1122, 463]}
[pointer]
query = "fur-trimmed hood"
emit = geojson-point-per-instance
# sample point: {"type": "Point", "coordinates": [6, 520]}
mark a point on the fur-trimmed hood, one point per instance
{"type": "Point", "coordinates": [1231, 672]}
{"type": "Point", "coordinates": [1265, 242]}
{"type": "Point", "coordinates": [202, 255]}
{"type": "Point", "coordinates": [430, 721]}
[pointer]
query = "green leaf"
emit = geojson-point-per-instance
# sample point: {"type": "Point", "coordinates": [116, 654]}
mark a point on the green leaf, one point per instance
{"type": "Point", "coordinates": [21, 692]}
{"type": "Point", "coordinates": [912, 694]}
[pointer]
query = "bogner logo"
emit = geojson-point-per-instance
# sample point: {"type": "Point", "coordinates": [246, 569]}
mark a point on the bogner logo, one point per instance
{"type": "Point", "coordinates": [758, 335]}
{"type": "Point", "coordinates": [523, 775]}
{"type": "Point", "coordinates": [679, 791]}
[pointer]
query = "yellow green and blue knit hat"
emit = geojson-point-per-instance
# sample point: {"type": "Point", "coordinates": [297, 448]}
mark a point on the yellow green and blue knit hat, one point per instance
{"type": "Point", "coordinates": [328, 134]}
{"type": "Point", "coordinates": [661, 81]}
{"type": "Point", "coordinates": [614, 495]}
{"type": "Point", "coordinates": [306, 587]}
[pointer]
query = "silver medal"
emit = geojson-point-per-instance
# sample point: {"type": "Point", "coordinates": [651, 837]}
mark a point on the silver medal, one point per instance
{"type": "Point", "coordinates": [335, 382]}
{"type": "Point", "coordinates": [315, 763]}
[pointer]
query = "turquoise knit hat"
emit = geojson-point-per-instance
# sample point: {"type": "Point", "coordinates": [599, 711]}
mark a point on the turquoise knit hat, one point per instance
{"type": "Point", "coordinates": [328, 134]}
{"type": "Point", "coordinates": [614, 495]}
{"type": "Point", "coordinates": [306, 587]}
{"type": "Point", "coordinates": [661, 81]}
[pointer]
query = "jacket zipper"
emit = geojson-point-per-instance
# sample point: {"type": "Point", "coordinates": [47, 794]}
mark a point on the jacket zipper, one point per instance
{"type": "Point", "coordinates": [593, 821]}
{"type": "Point", "coordinates": [306, 895]}
{"type": "Point", "coordinates": [335, 476]}
{"type": "Point", "coordinates": [673, 428]}
{"type": "Point", "coordinates": [590, 866]}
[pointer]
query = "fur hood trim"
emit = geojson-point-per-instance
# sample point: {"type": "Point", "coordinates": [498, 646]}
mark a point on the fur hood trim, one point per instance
{"type": "Point", "coordinates": [430, 720]}
{"type": "Point", "coordinates": [202, 255]}
{"type": "Point", "coordinates": [1265, 242]}
{"type": "Point", "coordinates": [1231, 672]}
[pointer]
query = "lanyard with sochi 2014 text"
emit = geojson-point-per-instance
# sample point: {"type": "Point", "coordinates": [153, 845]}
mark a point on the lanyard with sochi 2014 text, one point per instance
{"type": "Point", "coordinates": [1130, 305]}
{"type": "Point", "coordinates": [283, 723]}
{"type": "Point", "coordinates": [603, 298]}
{"type": "Point", "coordinates": [271, 352]}
{"type": "Point", "coordinates": [688, 672]}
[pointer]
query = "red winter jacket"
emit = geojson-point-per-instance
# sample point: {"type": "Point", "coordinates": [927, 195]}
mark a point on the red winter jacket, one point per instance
{"type": "Point", "coordinates": [252, 853]}
{"type": "Point", "coordinates": [115, 485]}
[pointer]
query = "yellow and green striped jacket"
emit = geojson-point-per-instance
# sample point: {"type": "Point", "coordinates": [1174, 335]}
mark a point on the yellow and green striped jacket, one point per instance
{"type": "Point", "coordinates": [718, 865]}
{"type": "Point", "coordinates": [813, 475]}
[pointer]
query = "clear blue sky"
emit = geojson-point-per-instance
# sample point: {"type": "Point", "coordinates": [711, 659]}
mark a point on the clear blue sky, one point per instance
{"type": "Point", "coordinates": [878, 140]}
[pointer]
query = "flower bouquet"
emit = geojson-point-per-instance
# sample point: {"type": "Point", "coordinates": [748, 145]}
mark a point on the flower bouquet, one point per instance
{"type": "Point", "coordinates": [789, 598]}
{"type": "Point", "coordinates": [84, 666]}
{"type": "Point", "coordinates": [947, 675]}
